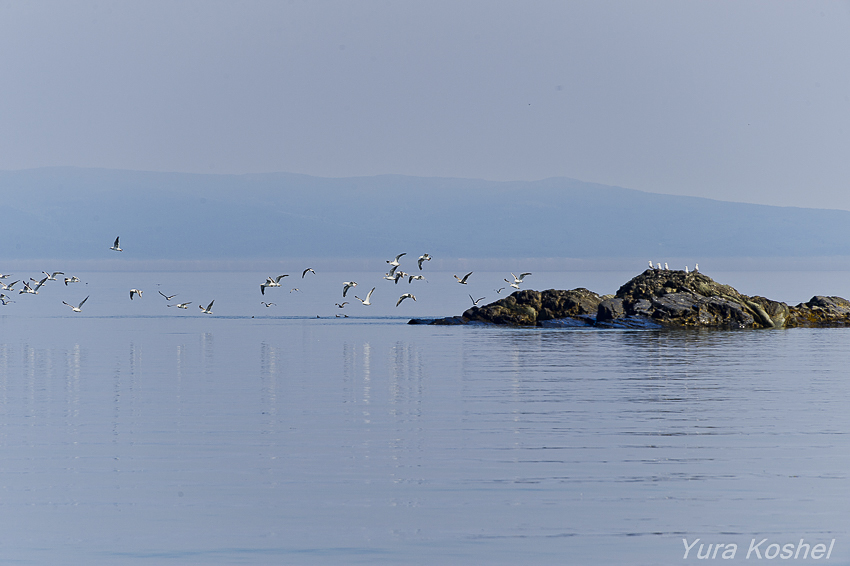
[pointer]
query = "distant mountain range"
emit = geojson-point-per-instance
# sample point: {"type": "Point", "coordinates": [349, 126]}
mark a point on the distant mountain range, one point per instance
{"type": "Point", "coordinates": [72, 213]}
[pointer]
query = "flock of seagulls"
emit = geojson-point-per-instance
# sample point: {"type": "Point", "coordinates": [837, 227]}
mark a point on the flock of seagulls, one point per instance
{"type": "Point", "coordinates": [395, 274]}
{"type": "Point", "coordinates": [657, 267]}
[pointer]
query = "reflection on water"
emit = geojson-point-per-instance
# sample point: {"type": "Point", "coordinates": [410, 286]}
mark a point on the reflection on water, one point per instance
{"type": "Point", "coordinates": [325, 442]}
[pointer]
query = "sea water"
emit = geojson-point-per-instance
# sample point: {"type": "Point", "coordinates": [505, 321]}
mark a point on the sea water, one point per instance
{"type": "Point", "coordinates": [135, 433]}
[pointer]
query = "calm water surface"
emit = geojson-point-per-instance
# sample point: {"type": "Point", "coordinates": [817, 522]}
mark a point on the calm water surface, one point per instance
{"type": "Point", "coordinates": [177, 438]}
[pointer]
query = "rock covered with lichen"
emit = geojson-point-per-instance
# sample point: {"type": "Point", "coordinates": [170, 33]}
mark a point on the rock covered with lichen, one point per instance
{"type": "Point", "coordinates": [656, 299]}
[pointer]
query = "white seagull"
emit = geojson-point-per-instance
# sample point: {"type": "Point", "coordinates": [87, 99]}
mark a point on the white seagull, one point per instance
{"type": "Point", "coordinates": [395, 261]}
{"type": "Point", "coordinates": [77, 308]}
{"type": "Point", "coordinates": [9, 286]}
{"type": "Point", "coordinates": [4, 275]}
{"type": "Point", "coordinates": [696, 268]}
{"type": "Point", "coordinates": [342, 304]}
{"type": "Point", "coordinates": [71, 279]}
{"type": "Point", "coordinates": [418, 277]}
{"type": "Point", "coordinates": [423, 257]}
{"type": "Point", "coordinates": [665, 267]}
{"type": "Point", "coordinates": [310, 269]}
{"type": "Point", "coordinates": [267, 305]}
{"type": "Point", "coordinates": [271, 282]}
{"type": "Point", "coordinates": [403, 297]}
{"type": "Point", "coordinates": [686, 269]}
{"type": "Point", "coordinates": [135, 292]}
{"type": "Point", "coordinates": [52, 277]}
{"type": "Point", "coordinates": [5, 300]}
{"type": "Point", "coordinates": [465, 277]}
{"type": "Point", "coordinates": [181, 305]}
{"type": "Point", "coordinates": [207, 310]}
{"type": "Point", "coordinates": [167, 297]}
{"type": "Point", "coordinates": [650, 265]}
{"type": "Point", "coordinates": [368, 298]}
{"type": "Point", "coordinates": [476, 301]}
{"type": "Point", "coordinates": [348, 285]}
{"type": "Point", "coordinates": [115, 246]}
{"type": "Point", "coordinates": [30, 290]}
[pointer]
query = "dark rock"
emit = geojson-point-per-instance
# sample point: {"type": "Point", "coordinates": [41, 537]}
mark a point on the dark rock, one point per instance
{"type": "Point", "coordinates": [528, 308]}
{"type": "Point", "coordinates": [654, 299]}
{"type": "Point", "coordinates": [609, 309]}
{"type": "Point", "coordinates": [820, 311]}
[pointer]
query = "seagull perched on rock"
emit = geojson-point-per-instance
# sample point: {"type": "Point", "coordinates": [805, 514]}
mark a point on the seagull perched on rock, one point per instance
{"type": "Point", "coordinates": [348, 285]}
{"type": "Point", "coordinates": [686, 269]}
{"type": "Point", "coordinates": [403, 297]}
{"type": "Point", "coordinates": [207, 310]}
{"type": "Point", "coordinates": [462, 281]}
{"type": "Point", "coordinates": [167, 297]}
{"type": "Point", "coordinates": [115, 246]}
{"type": "Point", "coordinates": [650, 265]}
{"type": "Point", "coordinates": [181, 305]}
{"type": "Point", "coordinates": [696, 268]}
{"type": "Point", "coordinates": [71, 279]}
{"type": "Point", "coordinates": [271, 282]}
{"type": "Point", "coordinates": [77, 308]}
{"type": "Point", "coordinates": [423, 257]}
{"type": "Point", "coordinates": [368, 298]}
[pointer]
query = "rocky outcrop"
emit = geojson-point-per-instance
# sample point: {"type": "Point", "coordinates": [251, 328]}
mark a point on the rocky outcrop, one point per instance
{"type": "Point", "coordinates": [528, 308]}
{"type": "Point", "coordinates": [655, 299]}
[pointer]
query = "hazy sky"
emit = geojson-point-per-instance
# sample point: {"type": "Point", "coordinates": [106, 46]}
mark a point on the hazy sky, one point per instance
{"type": "Point", "coordinates": [739, 100]}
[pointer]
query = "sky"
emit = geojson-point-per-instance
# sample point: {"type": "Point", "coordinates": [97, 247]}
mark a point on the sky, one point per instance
{"type": "Point", "coordinates": [745, 101]}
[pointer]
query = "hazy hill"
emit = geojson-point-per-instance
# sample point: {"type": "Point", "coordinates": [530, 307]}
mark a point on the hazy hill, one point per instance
{"type": "Point", "coordinates": [72, 213]}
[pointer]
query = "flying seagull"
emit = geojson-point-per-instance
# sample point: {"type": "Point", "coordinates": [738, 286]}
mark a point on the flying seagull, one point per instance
{"type": "Point", "coordinates": [348, 285]}
{"type": "Point", "coordinates": [367, 299]}
{"type": "Point", "coordinates": [28, 289]}
{"type": "Point", "coordinates": [310, 269]}
{"type": "Point", "coordinates": [167, 297]}
{"type": "Point", "coordinates": [271, 282]}
{"type": "Point", "coordinates": [9, 286]}
{"type": "Point", "coordinates": [341, 305]}
{"type": "Point", "coordinates": [403, 297]}
{"type": "Point", "coordinates": [115, 246]}
{"type": "Point", "coordinates": [52, 277]}
{"type": "Point", "coordinates": [77, 308]}
{"type": "Point", "coordinates": [267, 305]}
{"type": "Point", "coordinates": [395, 261]}
{"type": "Point", "coordinates": [465, 277]}
{"type": "Point", "coordinates": [476, 301]}
{"type": "Point", "coordinates": [71, 279]}
{"type": "Point", "coordinates": [423, 257]}
{"type": "Point", "coordinates": [135, 292]}
{"type": "Point", "coordinates": [181, 305]}
{"type": "Point", "coordinates": [207, 310]}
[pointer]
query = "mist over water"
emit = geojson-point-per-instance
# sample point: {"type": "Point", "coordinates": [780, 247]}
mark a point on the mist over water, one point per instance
{"type": "Point", "coordinates": [132, 433]}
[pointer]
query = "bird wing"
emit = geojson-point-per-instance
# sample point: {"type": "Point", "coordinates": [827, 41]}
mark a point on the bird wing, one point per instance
{"type": "Point", "coordinates": [209, 306]}
{"type": "Point", "coordinates": [279, 277]}
{"type": "Point", "coordinates": [521, 275]}
{"type": "Point", "coordinates": [465, 277]}
{"type": "Point", "coordinates": [115, 245]}
{"type": "Point", "coordinates": [370, 292]}
{"type": "Point", "coordinates": [399, 255]}
{"type": "Point", "coordinates": [82, 302]}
